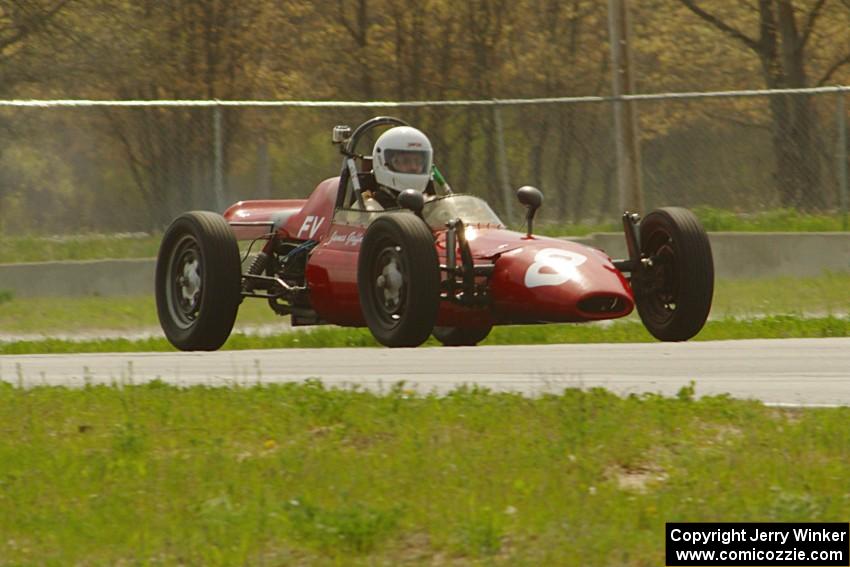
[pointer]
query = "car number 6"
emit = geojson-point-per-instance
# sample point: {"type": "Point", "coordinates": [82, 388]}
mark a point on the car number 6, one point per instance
{"type": "Point", "coordinates": [553, 266]}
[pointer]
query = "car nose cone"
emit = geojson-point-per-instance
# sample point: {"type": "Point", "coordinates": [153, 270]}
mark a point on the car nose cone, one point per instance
{"type": "Point", "coordinates": [558, 281]}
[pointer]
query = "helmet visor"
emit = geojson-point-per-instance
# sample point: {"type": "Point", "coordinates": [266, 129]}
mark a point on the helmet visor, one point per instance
{"type": "Point", "coordinates": [407, 161]}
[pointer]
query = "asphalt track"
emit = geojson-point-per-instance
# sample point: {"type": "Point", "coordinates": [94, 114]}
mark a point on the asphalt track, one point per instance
{"type": "Point", "coordinates": [779, 371]}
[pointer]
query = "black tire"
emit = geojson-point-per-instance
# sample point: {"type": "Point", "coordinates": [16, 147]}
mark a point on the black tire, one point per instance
{"type": "Point", "coordinates": [674, 294]}
{"type": "Point", "coordinates": [461, 336]}
{"type": "Point", "coordinates": [398, 280]}
{"type": "Point", "coordinates": [198, 281]}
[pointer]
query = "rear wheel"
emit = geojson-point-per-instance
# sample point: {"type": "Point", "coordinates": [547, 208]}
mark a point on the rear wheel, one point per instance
{"type": "Point", "coordinates": [461, 336]}
{"type": "Point", "coordinates": [674, 293]}
{"type": "Point", "coordinates": [198, 275]}
{"type": "Point", "coordinates": [398, 280]}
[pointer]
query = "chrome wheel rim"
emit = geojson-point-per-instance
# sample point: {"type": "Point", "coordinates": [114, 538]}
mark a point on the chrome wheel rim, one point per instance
{"type": "Point", "coordinates": [184, 289]}
{"type": "Point", "coordinates": [390, 284]}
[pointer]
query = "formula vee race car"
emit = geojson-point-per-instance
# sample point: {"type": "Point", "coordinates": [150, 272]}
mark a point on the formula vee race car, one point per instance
{"type": "Point", "coordinates": [438, 263]}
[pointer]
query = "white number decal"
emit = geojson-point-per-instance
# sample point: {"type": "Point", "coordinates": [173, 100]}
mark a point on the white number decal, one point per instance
{"type": "Point", "coordinates": [553, 266]}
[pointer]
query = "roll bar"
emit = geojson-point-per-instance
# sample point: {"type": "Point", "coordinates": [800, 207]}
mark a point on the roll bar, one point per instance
{"type": "Point", "coordinates": [349, 147]}
{"type": "Point", "coordinates": [349, 170]}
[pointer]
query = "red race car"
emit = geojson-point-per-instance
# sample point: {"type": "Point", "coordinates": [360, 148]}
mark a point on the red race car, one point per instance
{"type": "Point", "coordinates": [432, 262]}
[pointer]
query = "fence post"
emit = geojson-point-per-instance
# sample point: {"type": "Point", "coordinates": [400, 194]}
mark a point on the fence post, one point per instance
{"type": "Point", "coordinates": [629, 167]}
{"type": "Point", "coordinates": [507, 194]}
{"type": "Point", "coordinates": [841, 155]}
{"type": "Point", "coordinates": [218, 160]}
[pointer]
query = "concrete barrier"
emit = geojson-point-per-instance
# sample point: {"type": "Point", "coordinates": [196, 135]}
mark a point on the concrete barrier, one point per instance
{"type": "Point", "coordinates": [761, 254]}
{"type": "Point", "coordinates": [736, 255]}
{"type": "Point", "coordinates": [79, 279]}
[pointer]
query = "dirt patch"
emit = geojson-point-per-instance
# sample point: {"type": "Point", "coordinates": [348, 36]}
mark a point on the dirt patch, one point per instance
{"type": "Point", "coordinates": [639, 478]}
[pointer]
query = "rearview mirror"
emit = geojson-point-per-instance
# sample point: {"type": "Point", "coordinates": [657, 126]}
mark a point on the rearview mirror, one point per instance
{"type": "Point", "coordinates": [532, 198]}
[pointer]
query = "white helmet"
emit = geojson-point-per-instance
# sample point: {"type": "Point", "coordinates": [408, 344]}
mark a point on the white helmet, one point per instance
{"type": "Point", "coordinates": [402, 159]}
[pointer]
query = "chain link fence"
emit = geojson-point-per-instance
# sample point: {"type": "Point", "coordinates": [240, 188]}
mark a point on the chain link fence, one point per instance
{"type": "Point", "coordinates": [77, 166]}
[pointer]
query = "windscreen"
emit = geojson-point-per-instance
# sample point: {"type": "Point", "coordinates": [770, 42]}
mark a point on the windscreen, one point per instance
{"type": "Point", "coordinates": [469, 209]}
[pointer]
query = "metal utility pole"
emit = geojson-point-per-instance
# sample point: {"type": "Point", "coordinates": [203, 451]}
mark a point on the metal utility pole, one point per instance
{"type": "Point", "coordinates": [625, 115]}
{"type": "Point", "coordinates": [218, 160]}
{"type": "Point", "coordinates": [507, 192]}
{"type": "Point", "coordinates": [841, 155]}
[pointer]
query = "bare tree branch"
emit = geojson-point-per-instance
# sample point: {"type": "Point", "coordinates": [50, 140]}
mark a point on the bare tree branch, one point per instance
{"type": "Point", "coordinates": [810, 23]}
{"type": "Point", "coordinates": [360, 28]}
{"type": "Point", "coordinates": [835, 67]}
{"type": "Point", "coordinates": [344, 21]}
{"type": "Point", "coordinates": [721, 25]}
{"type": "Point", "coordinates": [26, 28]}
{"type": "Point", "coordinates": [766, 126]}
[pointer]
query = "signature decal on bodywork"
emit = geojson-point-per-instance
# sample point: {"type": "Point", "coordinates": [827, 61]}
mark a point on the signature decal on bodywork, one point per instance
{"type": "Point", "coordinates": [553, 266]}
{"type": "Point", "coordinates": [350, 239]}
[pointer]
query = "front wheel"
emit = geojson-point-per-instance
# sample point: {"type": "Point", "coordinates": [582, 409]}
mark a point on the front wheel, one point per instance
{"type": "Point", "coordinates": [674, 292]}
{"type": "Point", "coordinates": [398, 280]}
{"type": "Point", "coordinates": [198, 278]}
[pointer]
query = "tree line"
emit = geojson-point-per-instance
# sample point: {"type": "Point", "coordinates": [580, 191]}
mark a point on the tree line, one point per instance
{"type": "Point", "coordinates": [108, 169]}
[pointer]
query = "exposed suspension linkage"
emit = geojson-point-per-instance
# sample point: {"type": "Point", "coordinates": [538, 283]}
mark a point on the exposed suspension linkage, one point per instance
{"type": "Point", "coordinates": [630, 230]}
{"type": "Point", "coordinates": [460, 284]}
{"type": "Point", "coordinates": [638, 265]}
{"type": "Point", "coordinates": [277, 274]}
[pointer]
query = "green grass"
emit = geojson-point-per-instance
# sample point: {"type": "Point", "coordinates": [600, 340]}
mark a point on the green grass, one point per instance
{"type": "Point", "coordinates": [629, 331]}
{"type": "Point", "coordinates": [77, 247]}
{"type": "Point", "coordinates": [58, 315]}
{"type": "Point", "coordinates": [300, 475]}
{"type": "Point", "coordinates": [776, 220]}
{"type": "Point", "coordinates": [823, 295]}
{"type": "Point", "coordinates": [721, 220]}
{"type": "Point", "coordinates": [95, 246]}
{"type": "Point", "coordinates": [743, 309]}
{"type": "Point", "coordinates": [827, 293]}
{"type": "Point", "coordinates": [548, 228]}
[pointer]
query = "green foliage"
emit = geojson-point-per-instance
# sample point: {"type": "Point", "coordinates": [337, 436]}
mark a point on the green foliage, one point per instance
{"type": "Point", "coordinates": [135, 169]}
{"type": "Point", "coordinates": [777, 220]}
{"type": "Point", "coordinates": [723, 220]}
{"type": "Point", "coordinates": [128, 439]}
{"type": "Point", "coordinates": [221, 476]}
{"type": "Point", "coordinates": [686, 393]}
{"type": "Point", "coordinates": [778, 307]}
{"type": "Point", "coordinates": [354, 526]}
{"type": "Point", "coordinates": [572, 229]}
{"type": "Point", "coordinates": [483, 532]}
{"type": "Point", "coordinates": [15, 250]}
{"type": "Point", "coordinates": [142, 245]}
{"type": "Point", "coordinates": [91, 315]}
{"type": "Point", "coordinates": [630, 330]}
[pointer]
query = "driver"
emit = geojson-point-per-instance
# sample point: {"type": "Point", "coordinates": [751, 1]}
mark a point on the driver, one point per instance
{"type": "Point", "coordinates": [401, 160]}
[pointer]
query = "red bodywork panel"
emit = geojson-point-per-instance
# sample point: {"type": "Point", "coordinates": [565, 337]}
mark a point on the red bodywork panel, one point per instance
{"type": "Point", "coordinates": [534, 279]}
{"type": "Point", "coordinates": [542, 279]}
{"type": "Point", "coordinates": [305, 219]}
{"type": "Point", "coordinates": [313, 221]}
{"type": "Point", "coordinates": [553, 280]}
{"type": "Point", "coordinates": [332, 276]}
{"type": "Point", "coordinates": [253, 219]}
